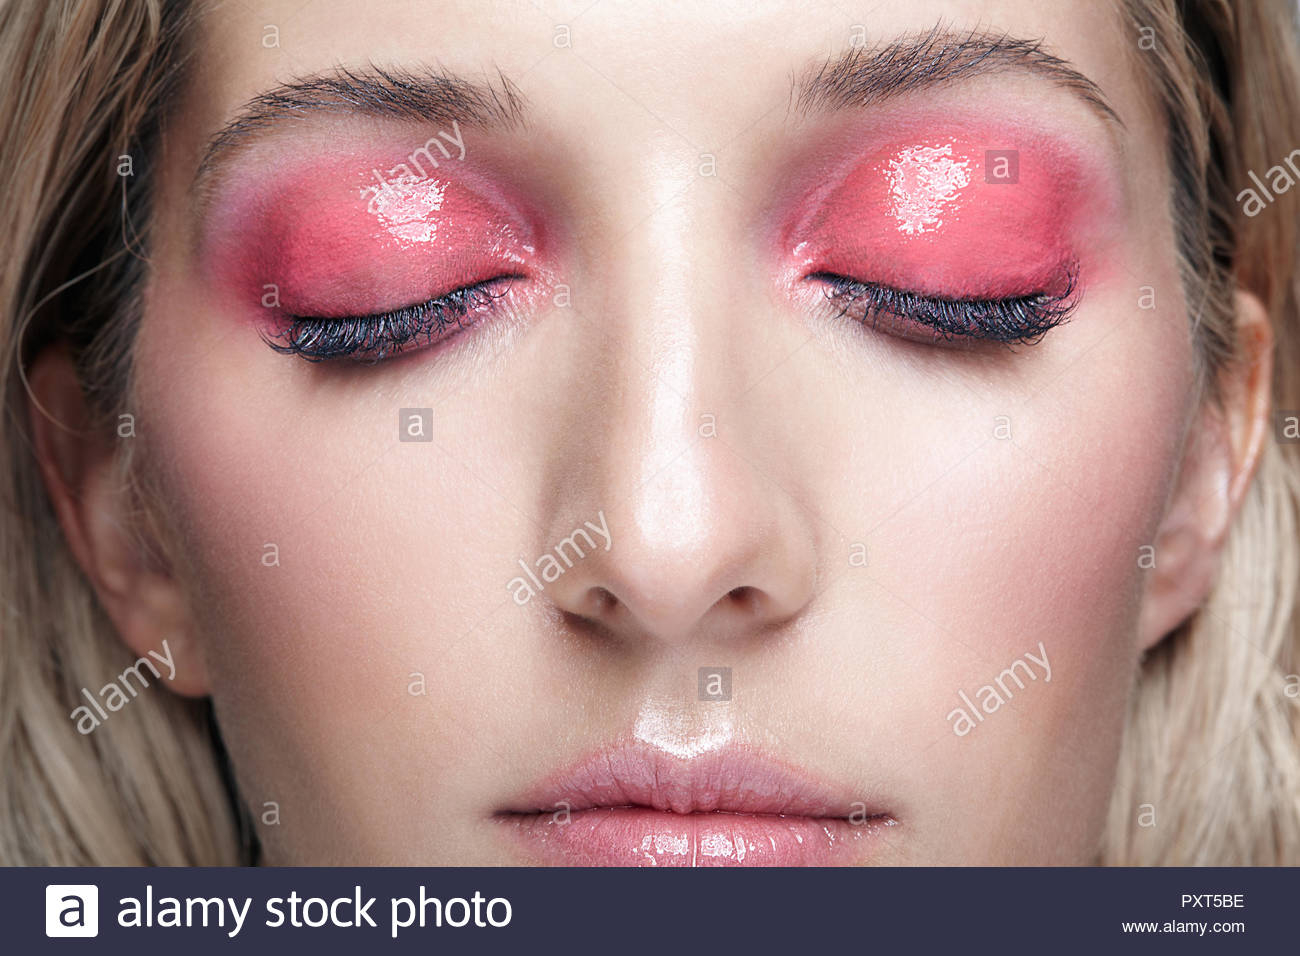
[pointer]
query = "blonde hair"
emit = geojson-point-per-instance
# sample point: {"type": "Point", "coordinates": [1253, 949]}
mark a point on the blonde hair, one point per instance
{"type": "Point", "coordinates": [1210, 766]}
{"type": "Point", "coordinates": [1209, 772]}
{"type": "Point", "coordinates": [149, 786]}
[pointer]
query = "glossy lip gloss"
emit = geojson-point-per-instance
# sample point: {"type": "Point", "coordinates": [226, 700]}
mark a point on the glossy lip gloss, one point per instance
{"type": "Point", "coordinates": [637, 805]}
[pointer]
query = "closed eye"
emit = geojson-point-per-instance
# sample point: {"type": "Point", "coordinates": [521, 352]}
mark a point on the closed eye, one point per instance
{"type": "Point", "coordinates": [1022, 319]}
{"type": "Point", "coordinates": [379, 336]}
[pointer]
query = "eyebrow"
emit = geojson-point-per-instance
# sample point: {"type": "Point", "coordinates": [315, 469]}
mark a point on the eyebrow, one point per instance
{"type": "Point", "coordinates": [430, 96]}
{"type": "Point", "coordinates": [864, 76]}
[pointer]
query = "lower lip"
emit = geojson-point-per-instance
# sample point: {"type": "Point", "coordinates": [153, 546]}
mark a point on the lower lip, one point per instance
{"type": "Point", "coordinates": [641, 836]}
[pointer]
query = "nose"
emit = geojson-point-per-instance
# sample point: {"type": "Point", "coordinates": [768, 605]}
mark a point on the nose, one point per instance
{"type": "Point", "coordinates": [696, 486]}
{"type": "Point", "coordinates": [700, 545]}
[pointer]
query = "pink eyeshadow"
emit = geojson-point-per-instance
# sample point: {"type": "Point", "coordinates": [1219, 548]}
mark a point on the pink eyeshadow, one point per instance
{"type": "Point", "coordinates": [331, 239]}
{"type": "Point", "coordinates": [951, 209]}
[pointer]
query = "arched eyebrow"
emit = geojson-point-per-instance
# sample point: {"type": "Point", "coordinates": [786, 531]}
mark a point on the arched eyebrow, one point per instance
{"type": "Point", "coordinates": [429, 96]}
{"type": "Point", "coordinates": [866, 75]}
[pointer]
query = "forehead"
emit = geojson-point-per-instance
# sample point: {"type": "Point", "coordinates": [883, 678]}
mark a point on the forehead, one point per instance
{"type": "Point", "coordinates": [700, 71]}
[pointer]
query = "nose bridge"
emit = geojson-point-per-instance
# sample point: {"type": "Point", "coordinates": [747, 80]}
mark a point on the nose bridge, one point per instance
{"type": "Point", "coordinates": [668, 477]}
{"type": "Point", "coordinates": [698, 540]}
{"type": "Point", "coordinates": [672, 477]}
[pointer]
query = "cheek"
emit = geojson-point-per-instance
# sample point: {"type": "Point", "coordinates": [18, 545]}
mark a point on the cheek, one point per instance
{"type": "Point", "coordinates": [1050, 557]}
{"type": "Point", "coordinates": [998, 517]}
{"type": "Point", "coordinates": [331, 562]}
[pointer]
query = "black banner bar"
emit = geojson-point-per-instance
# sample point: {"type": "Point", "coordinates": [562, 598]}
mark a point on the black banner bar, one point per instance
{"type": "Point", "coordinates": [642, 911]}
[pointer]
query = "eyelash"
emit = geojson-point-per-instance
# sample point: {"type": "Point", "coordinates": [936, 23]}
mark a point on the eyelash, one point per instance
{"type": "Point", "coordinates": [374, 338]}
{"type": "Point", "coordinates": [1016, 320]}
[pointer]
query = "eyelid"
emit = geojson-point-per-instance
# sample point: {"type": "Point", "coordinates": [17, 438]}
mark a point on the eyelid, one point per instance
{"type": "Point", "coordinates": [304, 232]}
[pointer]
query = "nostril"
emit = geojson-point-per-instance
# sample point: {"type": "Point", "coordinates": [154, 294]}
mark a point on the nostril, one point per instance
{"type": "Point", "coordinates": [602, 600]}
{"type": "Point", "coordinates": [745, 598]}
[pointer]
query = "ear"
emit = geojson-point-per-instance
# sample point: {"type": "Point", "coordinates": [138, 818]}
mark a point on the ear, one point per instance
{"type": "Point", "coordinates": [79, 460]}
{"type": "Point", "coordinates": [1219, 461]}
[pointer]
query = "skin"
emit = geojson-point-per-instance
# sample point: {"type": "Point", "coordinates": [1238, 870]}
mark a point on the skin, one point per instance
{"type": "Point", "coordinates": [394, 558]}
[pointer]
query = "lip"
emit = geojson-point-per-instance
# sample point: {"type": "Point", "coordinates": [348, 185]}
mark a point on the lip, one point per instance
{"type": "Point", "coordinates": [636, 805]}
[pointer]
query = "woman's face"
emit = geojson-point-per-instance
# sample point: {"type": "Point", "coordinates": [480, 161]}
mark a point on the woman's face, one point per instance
{"type": "Point", "coordinates": [686, 508]}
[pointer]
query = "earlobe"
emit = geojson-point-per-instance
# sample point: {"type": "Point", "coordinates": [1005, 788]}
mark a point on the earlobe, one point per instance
{"type": "Point", "coordinates": [1220, 458]}
{"type": "Point", "coordinates": [96, 511]}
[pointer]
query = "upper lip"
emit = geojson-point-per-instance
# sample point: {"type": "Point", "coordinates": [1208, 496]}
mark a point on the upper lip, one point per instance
{"type": "Point", "coordinates": [730, 779]}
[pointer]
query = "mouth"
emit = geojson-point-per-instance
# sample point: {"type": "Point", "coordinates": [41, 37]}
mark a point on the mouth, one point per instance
{"type": "Point", "coordinates": [637, 805]}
